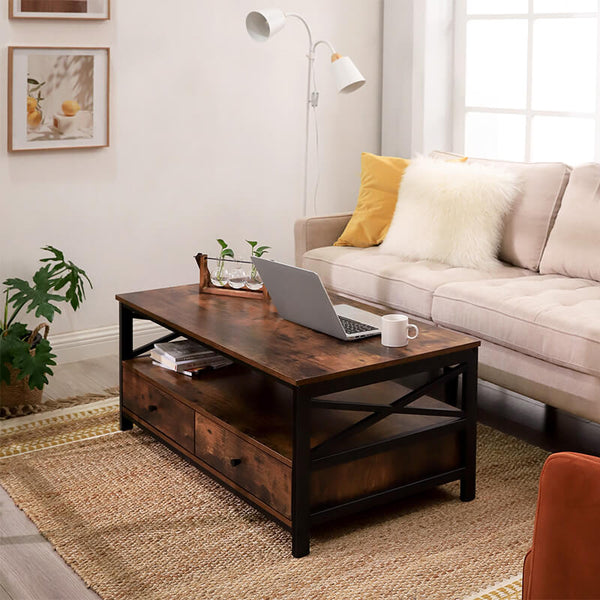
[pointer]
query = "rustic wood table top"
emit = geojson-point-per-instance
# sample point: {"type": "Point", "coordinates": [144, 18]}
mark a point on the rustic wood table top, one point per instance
{"type": "Point", "coordinates": [251, 331]}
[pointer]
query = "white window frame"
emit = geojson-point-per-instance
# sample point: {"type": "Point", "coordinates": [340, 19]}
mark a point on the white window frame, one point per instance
{"type": "Point", "coordinates": [460, 109]}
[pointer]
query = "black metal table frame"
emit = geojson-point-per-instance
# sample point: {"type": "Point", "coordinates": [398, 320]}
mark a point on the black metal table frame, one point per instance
{"type": "Point", "coordinates": [462, 418]}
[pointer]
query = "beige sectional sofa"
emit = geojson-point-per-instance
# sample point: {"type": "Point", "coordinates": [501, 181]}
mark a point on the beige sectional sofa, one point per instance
{"type": "Point", "coordinates": [537, 314]}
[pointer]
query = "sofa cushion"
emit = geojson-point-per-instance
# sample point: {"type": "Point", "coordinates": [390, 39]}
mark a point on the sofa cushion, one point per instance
{"type": "Point", "coordinates": [451, 213]}
{"type": "Point", "coordinates": [371, 275]}
{"type": "Point", "coordinates": [573, 247]}
{"type": "Point", "coordinates": [527, 226]}
{"type": "Point", "coordinates": [550, 317]}
{"type": "Point", "coordinates": [380, 179]}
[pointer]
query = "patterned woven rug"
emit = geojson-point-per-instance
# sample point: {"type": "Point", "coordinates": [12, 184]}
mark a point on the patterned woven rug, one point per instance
{"type": "Point", "coordinates": [21, 435]}
{"type": "Point", "coordinates": [511, 589]}
{"type": "Point", "coordinates": [137, 522]}
{"type": "Point", "coordinates": [48, 405]}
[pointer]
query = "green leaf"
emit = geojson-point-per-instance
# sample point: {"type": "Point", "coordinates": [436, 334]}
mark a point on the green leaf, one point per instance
{"type": "Point", "coordinates": [36, 298]}
{"type": "Point", "coordinates": [75, 293]}
{"type": "Point", "coordinates": [58, 255]}
{"type": "Point", "coordinates": [252, 244]}
{"type": "Point", "coordinates": [32, 81]}
{"type": "Point", "coordinates": [37, 365]}
{"type": "Point", "coordinates": [260, 251]}
{"type": "Point", "coordinates": [222, 243]}
{"type": "Point", "coordinates": [12, 343]}
{"type": "Point", "coordinates": [70, 274]}
{"type": "Point", "coordinates": [36, 88]}
{"type": "Point", "coordinates": [227, 252]}
{"type": "Point", "coordinates": [19, 331]}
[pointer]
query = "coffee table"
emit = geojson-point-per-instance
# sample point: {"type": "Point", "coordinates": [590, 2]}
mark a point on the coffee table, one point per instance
{"type": "Point", "coordinates": [304, 427]}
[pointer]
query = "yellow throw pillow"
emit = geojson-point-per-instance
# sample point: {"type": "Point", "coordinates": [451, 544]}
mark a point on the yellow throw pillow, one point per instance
{"type": "Point", "coordinates": [379, 184]}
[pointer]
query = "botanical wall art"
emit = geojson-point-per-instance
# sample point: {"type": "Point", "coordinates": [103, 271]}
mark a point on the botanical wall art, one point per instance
{"type": "Point", "coordinates": [58, 98]}
{"type": "Point", "coordinates": [59, 9]}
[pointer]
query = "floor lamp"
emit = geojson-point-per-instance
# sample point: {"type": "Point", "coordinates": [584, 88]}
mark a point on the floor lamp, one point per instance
{"type": "Point", "coordinates": [262, 24]}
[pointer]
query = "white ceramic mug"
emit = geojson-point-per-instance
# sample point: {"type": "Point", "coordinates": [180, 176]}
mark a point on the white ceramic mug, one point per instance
{"type": "Point", "coordinates": [394, 330]}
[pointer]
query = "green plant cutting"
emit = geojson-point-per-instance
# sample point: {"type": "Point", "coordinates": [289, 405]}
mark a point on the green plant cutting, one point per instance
{"type": "Point", "coordinates": [30, 359]}
{"type": "Point", "coordinates": [258, 251]}
{"type": "Point", "coordinates": [225, 252]}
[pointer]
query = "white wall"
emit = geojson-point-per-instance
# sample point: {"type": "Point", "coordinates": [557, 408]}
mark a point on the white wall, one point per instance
{"type": "Point", "coordinates": [207, 130]}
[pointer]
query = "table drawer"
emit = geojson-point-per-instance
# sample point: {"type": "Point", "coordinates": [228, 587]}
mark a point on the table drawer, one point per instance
{"type": "Point", "coordinates": [247, 465]}
{"type": "Point", "coordinates": [162, 411]}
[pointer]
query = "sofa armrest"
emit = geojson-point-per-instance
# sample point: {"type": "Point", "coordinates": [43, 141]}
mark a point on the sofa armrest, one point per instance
{"type": "Point", "coordinates": [316, 232]}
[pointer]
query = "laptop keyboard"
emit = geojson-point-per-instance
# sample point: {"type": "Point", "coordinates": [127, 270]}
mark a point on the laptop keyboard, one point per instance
{"type": "Point", "coordinates": [351, 326]}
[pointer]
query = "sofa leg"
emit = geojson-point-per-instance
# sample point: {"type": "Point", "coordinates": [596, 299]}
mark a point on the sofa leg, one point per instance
{"type": "Point", "coordinates": [550, 419]}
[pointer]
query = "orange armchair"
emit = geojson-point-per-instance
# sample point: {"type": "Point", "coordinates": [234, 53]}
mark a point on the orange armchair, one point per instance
{"type": "Point", "coordinates": [564, 560]}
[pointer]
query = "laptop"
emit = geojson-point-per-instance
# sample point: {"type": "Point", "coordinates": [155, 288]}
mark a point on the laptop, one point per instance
{"type": "Point", "coordinates": [299, 296]}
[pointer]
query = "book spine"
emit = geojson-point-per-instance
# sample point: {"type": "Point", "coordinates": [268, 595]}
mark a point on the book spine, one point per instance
{"type": "Point", "coordinates": [179, 357]}
{"type": "Point", "coordinates": [186, 364]}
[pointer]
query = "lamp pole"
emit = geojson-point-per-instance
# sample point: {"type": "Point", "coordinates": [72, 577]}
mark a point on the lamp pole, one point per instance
{"type": "Point", "coordinates": [309, 101]}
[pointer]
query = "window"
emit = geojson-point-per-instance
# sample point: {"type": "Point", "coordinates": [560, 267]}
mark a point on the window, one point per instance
{"type": "Point", "coordinates": [526, 85]}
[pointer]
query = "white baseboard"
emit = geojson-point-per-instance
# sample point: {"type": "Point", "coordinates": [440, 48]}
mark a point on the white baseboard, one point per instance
{"type": "Point", "coordinates": [91, 343]}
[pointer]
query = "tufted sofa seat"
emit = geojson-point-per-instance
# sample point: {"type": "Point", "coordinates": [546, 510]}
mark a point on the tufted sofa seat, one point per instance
{"type": "Point", "coordinates": [549, 317]}
{"type": "Point", "coordinates": [386, 279]}
{"type": "Point", "coordinates": [537, 313]}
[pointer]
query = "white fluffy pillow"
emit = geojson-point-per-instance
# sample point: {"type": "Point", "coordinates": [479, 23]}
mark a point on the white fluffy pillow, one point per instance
{"type": "Point", "coordinates": [450, 212]}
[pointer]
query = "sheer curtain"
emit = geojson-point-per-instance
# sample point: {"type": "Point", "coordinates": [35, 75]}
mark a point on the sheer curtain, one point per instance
{"type": "Point", "coordinates": [417, 76]}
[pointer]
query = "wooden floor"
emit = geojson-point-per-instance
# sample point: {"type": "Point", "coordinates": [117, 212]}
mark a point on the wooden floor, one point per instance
{"type": "Point", "coordinates": [83, 377]}
{"type": "Point", "coordinates": [32, 570]}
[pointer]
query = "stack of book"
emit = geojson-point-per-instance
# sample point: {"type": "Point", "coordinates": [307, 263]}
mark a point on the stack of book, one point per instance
{"type": "Point", "coordinates": [187, 357]}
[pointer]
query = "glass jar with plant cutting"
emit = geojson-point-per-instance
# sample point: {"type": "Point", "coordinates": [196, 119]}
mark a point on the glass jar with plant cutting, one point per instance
{"type": "Point", "coordinates": [219, 274]}
{"type": "Point", "coordinates": [254, 281]}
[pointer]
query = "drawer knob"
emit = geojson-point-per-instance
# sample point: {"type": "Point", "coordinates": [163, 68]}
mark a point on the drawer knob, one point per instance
{"type": "Point", "coordinates": [235, 462]}
{"type": "Point", "coordinates": [152, 407]}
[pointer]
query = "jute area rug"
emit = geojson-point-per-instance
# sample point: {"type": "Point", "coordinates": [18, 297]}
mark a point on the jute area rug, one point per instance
{"type": "Point", "coordinates": [137, 522]}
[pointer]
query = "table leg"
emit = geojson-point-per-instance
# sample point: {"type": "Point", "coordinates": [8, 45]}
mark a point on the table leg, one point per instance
{"type": "Point", "coordinates": [469, 406]}
{"type": "Point", "coordinates": [451, 389]}
{"type": "Point", "coordinates": [125, 352]}
{"type": "Point", "coordinates": [301, 476]}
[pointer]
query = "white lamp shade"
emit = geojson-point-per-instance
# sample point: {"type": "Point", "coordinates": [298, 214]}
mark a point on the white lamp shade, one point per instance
{"type": "Point", "coordinates": [347, 77]}
{"type": "Point", "coordinates": [262, 24]}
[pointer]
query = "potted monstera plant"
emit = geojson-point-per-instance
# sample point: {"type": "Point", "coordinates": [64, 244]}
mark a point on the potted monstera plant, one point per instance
{"type": "Point", "coordinates": [25, 354]}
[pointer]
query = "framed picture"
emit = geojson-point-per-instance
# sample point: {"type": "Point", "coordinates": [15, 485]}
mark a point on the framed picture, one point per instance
{"type": "Point", "coordinates": [59, 9]}
{"type": "Point", "coordinates": [57, 98]}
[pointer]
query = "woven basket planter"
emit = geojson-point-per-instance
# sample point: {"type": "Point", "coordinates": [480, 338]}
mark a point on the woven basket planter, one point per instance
{"type": "Point", "coordinates": [17, 398]}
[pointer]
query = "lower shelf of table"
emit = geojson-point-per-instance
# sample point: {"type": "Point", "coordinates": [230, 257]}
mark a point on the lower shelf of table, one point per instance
{"type": "Point", "coordinates": [236, 424]}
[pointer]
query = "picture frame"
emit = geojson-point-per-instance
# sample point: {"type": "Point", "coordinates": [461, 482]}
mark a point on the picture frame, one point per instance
{"type": "Point", "coordinates": [59, 9]}
{"type": "Point", "coordinates": [58, 98]}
